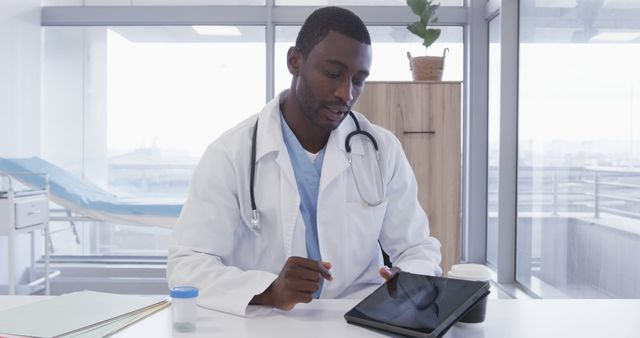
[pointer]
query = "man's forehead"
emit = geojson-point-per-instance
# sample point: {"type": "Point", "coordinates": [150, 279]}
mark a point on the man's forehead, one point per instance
{"type": "Point", "coordinates": [337, 47]}
{"type": "Point", "coordinates": [335, 37]}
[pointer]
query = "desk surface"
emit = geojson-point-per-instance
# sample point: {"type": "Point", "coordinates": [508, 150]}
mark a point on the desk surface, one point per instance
{"type": "Point", "coordinates": [586, 318]}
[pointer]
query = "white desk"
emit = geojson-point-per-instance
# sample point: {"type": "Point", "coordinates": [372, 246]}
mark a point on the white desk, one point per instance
{"type": "Point", "coordinates": [618, 318]}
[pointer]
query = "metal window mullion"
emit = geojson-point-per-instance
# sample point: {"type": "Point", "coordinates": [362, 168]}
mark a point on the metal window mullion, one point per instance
{"type": "Point", "coordinates": [270, 40]}
{"type": "Point", "coordinates": [372, 15]}
{"type": "Point", "coordinates": [152, 15]}
{"type": "Point", "coordinates": [84, 99]}
{"type": "Point", "coordinates": [227, 15]}
{"type": "Point", "coordinates": [475, 135]}
{"type": "Point", "coordinates": [507, 202]}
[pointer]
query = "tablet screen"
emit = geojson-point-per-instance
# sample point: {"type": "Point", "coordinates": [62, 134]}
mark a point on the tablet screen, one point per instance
{"type": "Point", "coordinates": [416, 302]}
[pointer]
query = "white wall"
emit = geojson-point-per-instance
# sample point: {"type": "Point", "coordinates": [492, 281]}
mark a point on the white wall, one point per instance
{"type": "Point", "coordinates": [20, 122]}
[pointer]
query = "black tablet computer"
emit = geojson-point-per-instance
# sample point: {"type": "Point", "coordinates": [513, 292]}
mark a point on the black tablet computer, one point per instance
{"type": "Point", "coordinates": [418, 305]}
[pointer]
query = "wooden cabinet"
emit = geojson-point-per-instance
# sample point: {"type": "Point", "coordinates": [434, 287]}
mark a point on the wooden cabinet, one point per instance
{"type": "Point", "coordinates": [425, 116]}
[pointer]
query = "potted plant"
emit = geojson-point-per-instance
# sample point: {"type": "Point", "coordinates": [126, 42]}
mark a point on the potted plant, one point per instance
{"type": "Point", "coordinates": [425, 67]}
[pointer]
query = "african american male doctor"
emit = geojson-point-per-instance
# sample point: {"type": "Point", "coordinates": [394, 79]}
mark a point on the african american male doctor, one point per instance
{"type": "Point", "coordinates": [287, 207]}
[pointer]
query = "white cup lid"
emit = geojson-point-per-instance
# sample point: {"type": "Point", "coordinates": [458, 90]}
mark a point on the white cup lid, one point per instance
{"type": "Point", "coordinates": [475, 272]}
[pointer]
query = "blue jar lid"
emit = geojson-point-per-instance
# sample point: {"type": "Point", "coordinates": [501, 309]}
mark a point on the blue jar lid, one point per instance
{"type": "Point", "coordinates": [184, 292]}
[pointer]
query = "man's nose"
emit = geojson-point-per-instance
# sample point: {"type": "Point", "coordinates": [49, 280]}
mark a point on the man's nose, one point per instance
{"type": "Point", "coordinates": [345, 91]}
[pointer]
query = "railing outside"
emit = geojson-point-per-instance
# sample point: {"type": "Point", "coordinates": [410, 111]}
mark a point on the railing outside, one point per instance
{"type": "Point", "coordinates": [589, 190]}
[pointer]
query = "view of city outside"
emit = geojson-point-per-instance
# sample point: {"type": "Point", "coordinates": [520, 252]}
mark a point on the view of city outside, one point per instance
{"type": "Point", "coordinates": [167, 101]}
{"type": "Point", "coordinates": [578, 231]}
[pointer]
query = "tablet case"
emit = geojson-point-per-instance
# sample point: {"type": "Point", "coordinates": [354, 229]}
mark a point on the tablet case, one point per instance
{"type": "Point", "coordinates": [425, 296]}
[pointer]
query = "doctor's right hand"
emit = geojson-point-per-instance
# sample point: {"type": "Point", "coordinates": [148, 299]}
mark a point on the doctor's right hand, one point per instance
{"type": "Point", "coordinates": [298, 280]}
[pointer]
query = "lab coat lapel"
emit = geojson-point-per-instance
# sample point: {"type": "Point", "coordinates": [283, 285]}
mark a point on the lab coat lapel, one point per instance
{"type": "Point", "coordinates": [270, 140]}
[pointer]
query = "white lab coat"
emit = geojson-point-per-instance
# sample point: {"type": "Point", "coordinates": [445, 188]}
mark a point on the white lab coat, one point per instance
{"type": "Point", "coordinates": [214, 248]}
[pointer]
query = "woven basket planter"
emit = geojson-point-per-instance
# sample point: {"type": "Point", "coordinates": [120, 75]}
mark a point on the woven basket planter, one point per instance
{"type": "Point", "coordinates": [427, 68]}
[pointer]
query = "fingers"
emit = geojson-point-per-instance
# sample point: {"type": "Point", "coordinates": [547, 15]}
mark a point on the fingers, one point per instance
{"type": "Point", "coordinates": [305, 297]}
{"type": "Point", "coordinates": [327, 266]}
{"type": "Point", "coordinates": [388, 273]}
{"type": "Point", "coordinates": [298, 281]}
{"type": "Point", "coordinates": [385, 273]}
{"type": "Point", "coordinates": [300, 273]}
{"type": "Point", "coordinates": [309, 264]}
{"type": "Point", "coordinates": [295, 286]}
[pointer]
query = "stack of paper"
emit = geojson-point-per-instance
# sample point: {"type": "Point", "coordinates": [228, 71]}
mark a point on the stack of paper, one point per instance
{"type": "Point", "coordinates": [79, 314]}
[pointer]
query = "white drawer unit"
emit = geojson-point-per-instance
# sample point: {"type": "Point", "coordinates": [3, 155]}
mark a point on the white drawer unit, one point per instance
{"type": "Point", "coordinates": [25, 212]}
{"type": "Point", "coordinates": [31, 211]}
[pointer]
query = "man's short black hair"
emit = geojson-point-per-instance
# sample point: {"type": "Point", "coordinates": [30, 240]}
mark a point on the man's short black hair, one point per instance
{"type": "Point", "coordinates": [326, 19]}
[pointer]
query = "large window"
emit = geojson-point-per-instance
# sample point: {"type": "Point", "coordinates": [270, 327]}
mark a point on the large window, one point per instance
{"type": "Point", "coordinates": [578, 224]}
{"type": "Point", "coordinates": [133, 108]}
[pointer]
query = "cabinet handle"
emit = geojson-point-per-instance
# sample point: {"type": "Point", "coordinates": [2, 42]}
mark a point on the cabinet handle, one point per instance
{"type": "Point", "coordinates": [31, 213]}
{"type": "Point", "coordinates": [419, 132]}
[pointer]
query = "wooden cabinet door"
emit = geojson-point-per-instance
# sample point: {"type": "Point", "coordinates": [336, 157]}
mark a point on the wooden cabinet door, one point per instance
{"type": "Point", "coordinates": [425, 116]}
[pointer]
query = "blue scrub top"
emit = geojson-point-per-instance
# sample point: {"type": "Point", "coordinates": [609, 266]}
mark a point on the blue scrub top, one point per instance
{"type": "Point", "coordinates": [307, 175]}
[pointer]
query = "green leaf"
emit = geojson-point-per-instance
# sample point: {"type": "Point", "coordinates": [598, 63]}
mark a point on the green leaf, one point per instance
{"type": "Point", "coordinates": [429, 14]}
{"type": "Point", "coordinates": [425, 18]}
{"type": "Point", "coordinates": [430, 36]}
{"type": "Point", "coordinates": [426, 11]}
{"type": "Point", "coordinates": [417, 6]}
{"type": "Point", "coordinates": [418, 29]}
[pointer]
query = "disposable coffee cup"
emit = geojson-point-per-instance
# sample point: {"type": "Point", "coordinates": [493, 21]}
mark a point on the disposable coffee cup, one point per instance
{"type": "Point", "coordinates": [472, 272]}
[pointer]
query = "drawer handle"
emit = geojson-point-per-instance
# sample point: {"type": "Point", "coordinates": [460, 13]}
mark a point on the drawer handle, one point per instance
{"type": "Point", "coordinates": [419, 132]}
{"type": "Point", "coordinates": [31, 213]}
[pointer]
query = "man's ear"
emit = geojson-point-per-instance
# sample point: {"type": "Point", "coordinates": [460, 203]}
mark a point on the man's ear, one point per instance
{"type": "Point", "coordinates": [294, 61]}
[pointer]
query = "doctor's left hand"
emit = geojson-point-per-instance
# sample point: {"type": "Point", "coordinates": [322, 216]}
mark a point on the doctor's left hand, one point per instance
{"type": "Point", "coordinates": [298, 280]}
{"type": "Point", "coordinates": [387, 273]}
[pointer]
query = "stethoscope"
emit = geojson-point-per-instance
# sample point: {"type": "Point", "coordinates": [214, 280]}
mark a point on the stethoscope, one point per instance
{"type": "Point", "coordinates": [255, 216]}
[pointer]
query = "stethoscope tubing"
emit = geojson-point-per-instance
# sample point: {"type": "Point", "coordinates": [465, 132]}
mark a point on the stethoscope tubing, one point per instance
{"type": "Point", "coordinates": [255, 215]}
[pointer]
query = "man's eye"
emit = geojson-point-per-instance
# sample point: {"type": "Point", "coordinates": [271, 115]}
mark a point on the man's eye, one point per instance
{"type": "Point", "coordinates": [333, 75]}
{"type": "Point", "coordinates": [358, 82]}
